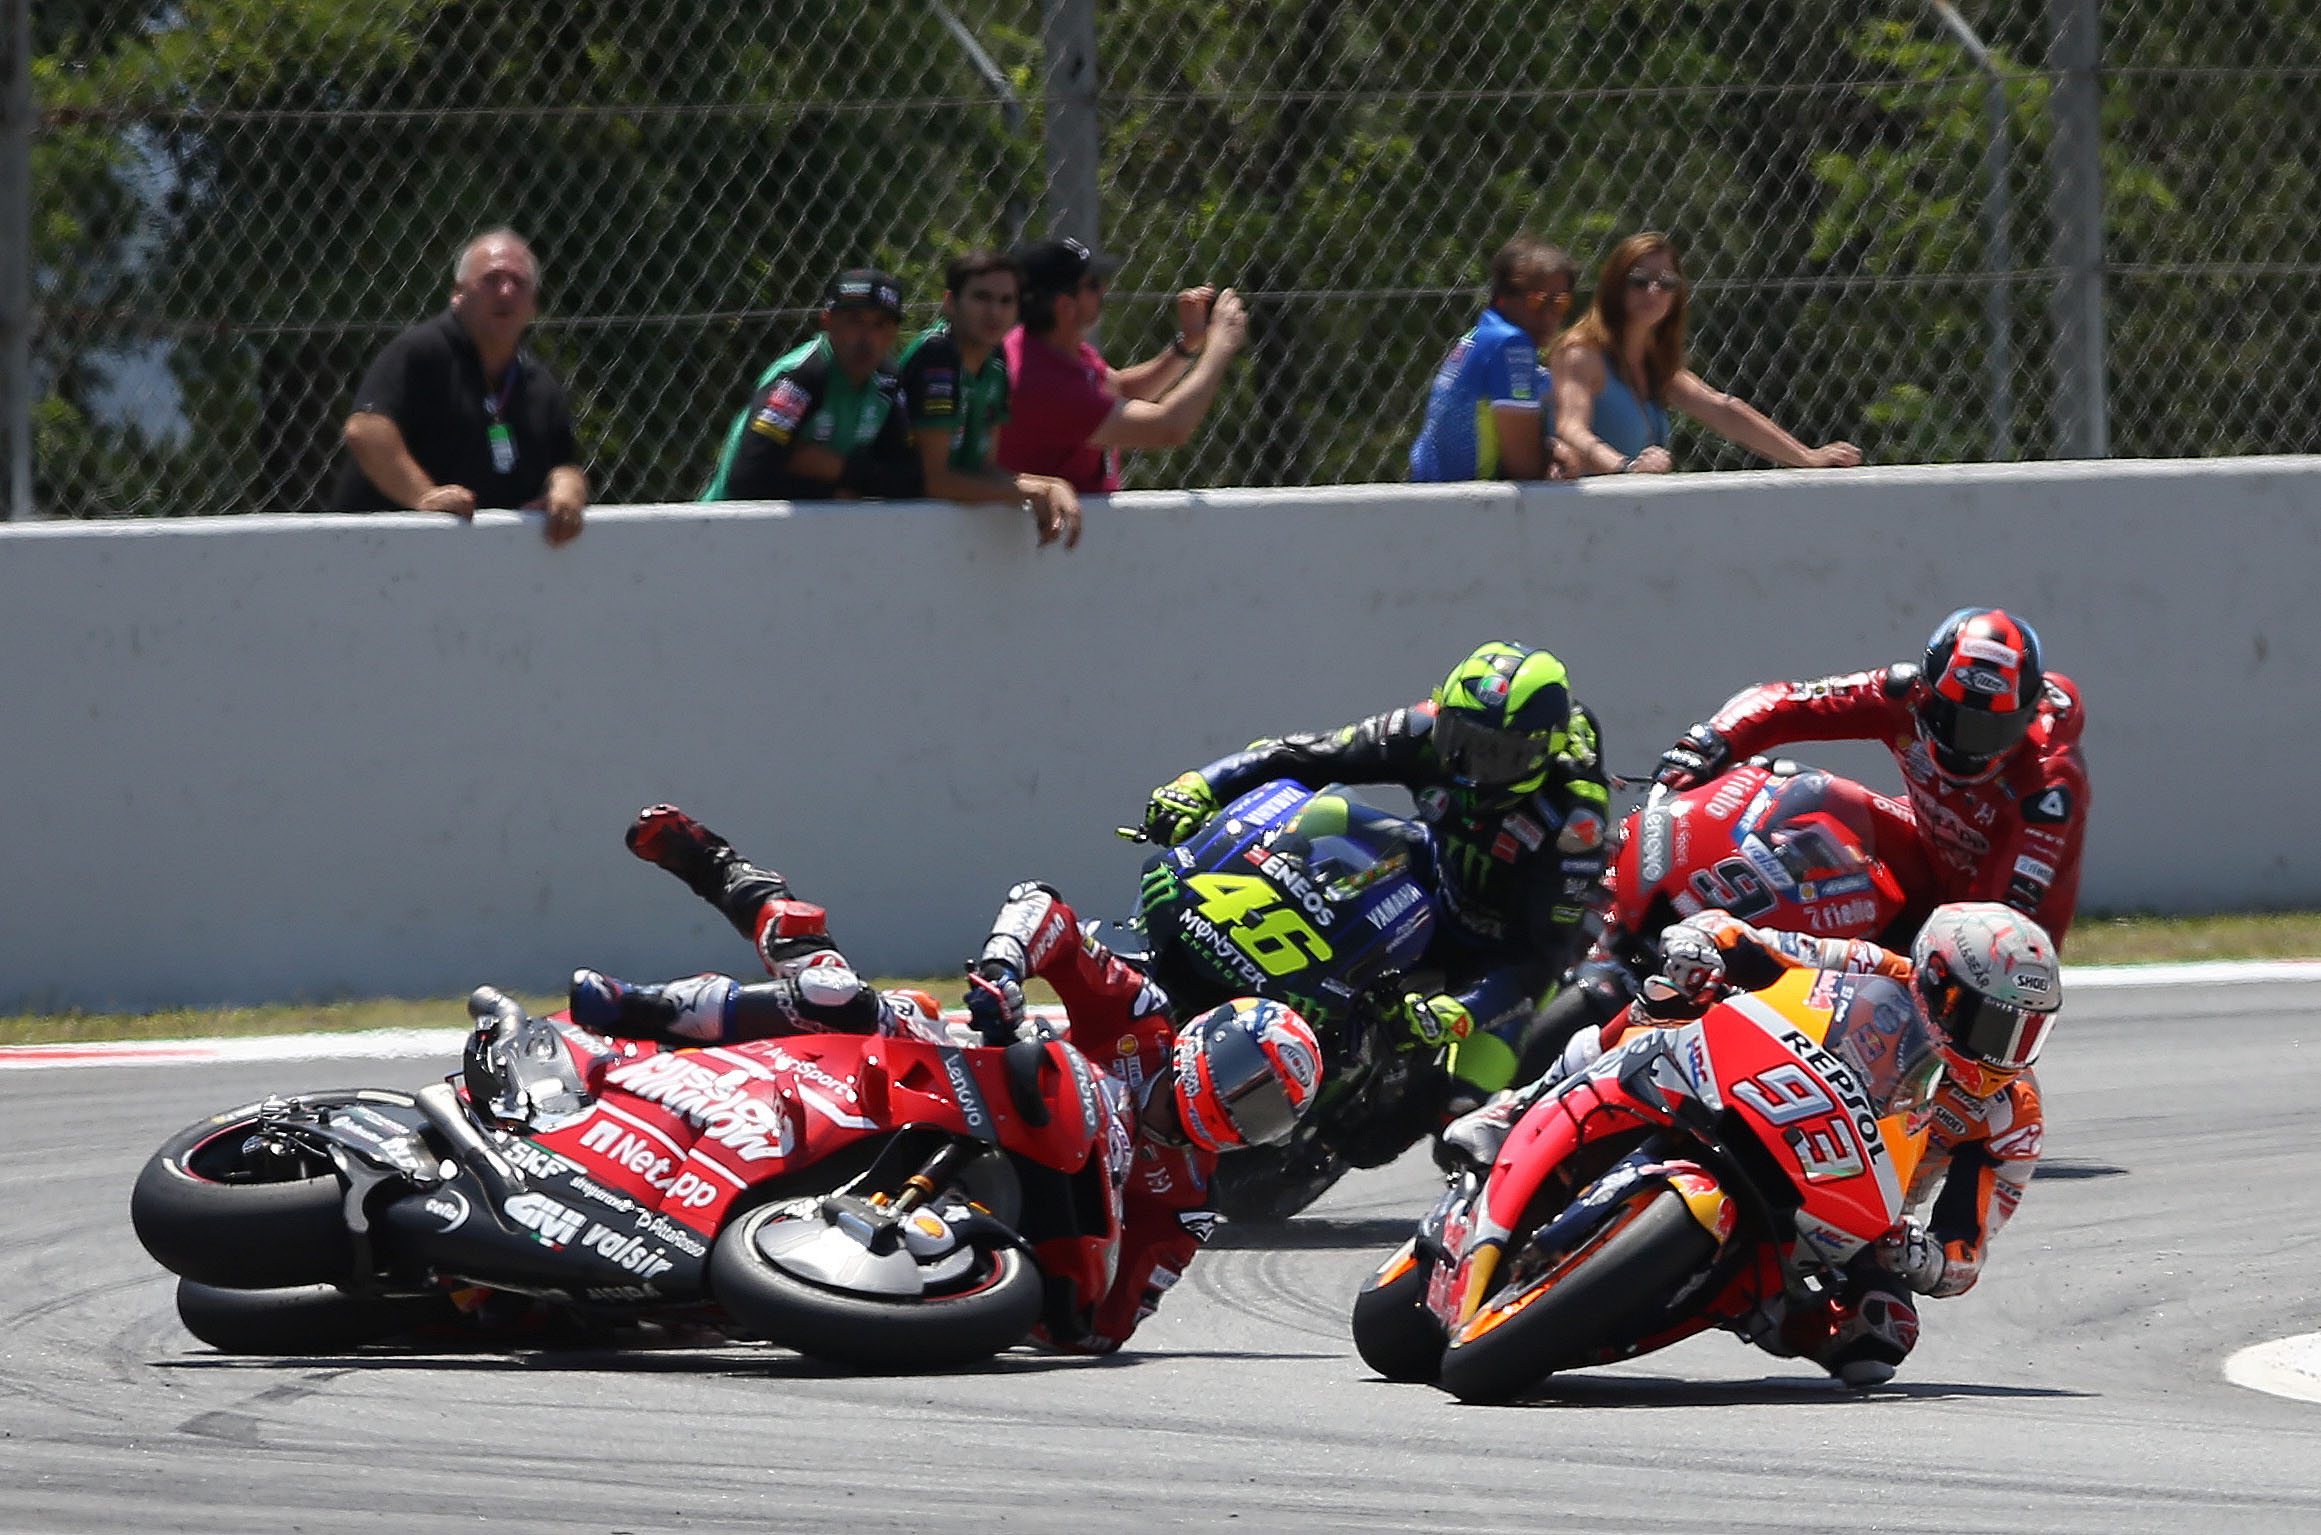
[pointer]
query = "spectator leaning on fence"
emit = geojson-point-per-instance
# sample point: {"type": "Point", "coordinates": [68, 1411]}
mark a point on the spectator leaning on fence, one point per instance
{"type": "Point", "coordinates": [1484, 415]}
{"type": "Point", "coordinates": [954, 381]}
{"type": "Point", "coordinates": [1620, 369]}
{"type": "Point", "coordinates": [453, 415]}
{"type": "Point", "coordinates": [827, 418]}
{"type": "Point", "coordinates": [1070, 411]}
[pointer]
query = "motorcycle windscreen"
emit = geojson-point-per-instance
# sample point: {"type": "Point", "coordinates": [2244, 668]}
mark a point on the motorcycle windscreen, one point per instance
{"type": "Point", "coordinates": [1880, 1035]}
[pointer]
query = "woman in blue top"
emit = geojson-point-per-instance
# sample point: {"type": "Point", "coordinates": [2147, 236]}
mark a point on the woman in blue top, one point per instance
{"type": "Point", "coordinates": [1621, 368]}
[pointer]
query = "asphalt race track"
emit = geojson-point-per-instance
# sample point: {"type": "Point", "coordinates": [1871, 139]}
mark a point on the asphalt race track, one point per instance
{"type": "Point", "coordinates": [2080, 1388]}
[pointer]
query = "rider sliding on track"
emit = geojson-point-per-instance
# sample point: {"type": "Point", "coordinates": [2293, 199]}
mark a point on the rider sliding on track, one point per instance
{"type": "Point", "coordinates": [1237, 1075]}
{"type": "Point", "coordinates": [1988, 743]}
{"type": "Point", "coordinates": [1986, 979]}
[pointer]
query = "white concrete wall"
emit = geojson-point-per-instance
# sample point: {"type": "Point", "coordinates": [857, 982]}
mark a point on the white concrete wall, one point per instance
{"type": "Point", "coordinates": [283, 757]}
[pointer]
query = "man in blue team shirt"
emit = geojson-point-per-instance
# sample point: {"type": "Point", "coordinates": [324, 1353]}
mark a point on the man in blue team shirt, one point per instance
{"type": "Point", "coordinates": [1483, 417]}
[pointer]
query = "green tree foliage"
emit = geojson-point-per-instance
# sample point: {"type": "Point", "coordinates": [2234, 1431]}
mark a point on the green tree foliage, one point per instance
{"type": "Point", "coordinates": [256, 194]}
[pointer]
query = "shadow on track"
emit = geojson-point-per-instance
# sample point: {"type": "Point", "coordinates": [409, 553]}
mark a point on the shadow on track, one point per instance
{"type": "Point", "coordinates": [1660, 1391]}
{"type": "Point", "coordinates": [2066, 1169]}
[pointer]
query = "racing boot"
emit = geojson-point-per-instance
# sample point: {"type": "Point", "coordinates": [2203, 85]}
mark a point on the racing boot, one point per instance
{"type": "Point", "coordinates": [1873, 1334]}
{"type": "Point", "coordinates": [697, 1010]}
{"type": "Point", "coordinates": [668, 838]}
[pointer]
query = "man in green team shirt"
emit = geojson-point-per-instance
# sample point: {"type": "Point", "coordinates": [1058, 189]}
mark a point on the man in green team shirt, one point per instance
{"type": "Point", "coordinates": [826, 419]}
{"type": "Point", "coordinates": [954, 387]}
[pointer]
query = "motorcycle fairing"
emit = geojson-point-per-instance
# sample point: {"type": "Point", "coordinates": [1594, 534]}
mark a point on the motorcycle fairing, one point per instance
{"type": "Point", "coordinates": [692, 1130]}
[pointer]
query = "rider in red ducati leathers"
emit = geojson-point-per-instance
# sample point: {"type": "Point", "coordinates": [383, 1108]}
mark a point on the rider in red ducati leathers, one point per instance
{"type": "Point", "coordinates": [1239, 1074]}
{"type": "Point", "coordinates": [1986, 979]}
{"type": "Point", "coordinates": [1988, 743]}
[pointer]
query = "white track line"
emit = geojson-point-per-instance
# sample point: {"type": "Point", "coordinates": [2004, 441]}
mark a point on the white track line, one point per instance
{"type": "Point", "coordinates": [2285, 1367]}
{"type": "Point", "coordinates": [366, 1045]}
{"type": "Point", "coordinates": [403, 1044]}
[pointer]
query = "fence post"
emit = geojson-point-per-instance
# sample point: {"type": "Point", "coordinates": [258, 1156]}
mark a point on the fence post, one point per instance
{"type": "Point", "coordinates": [2082, 416]}
{"type": "Point", "coordinates": [1075, 141]}
{"type": "Point", "coordinates": [16, 252]}
{"type": "Point", "coordinates": [1998, 247]}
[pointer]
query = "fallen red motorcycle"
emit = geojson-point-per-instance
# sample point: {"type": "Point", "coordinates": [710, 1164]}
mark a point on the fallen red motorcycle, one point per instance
{"type": "Point", "coordinates": [1776, 844]}
{"type": "Point", "coordinates": [880, 1202]}
{"type": "Point", "coordinates": [1694, 1173]}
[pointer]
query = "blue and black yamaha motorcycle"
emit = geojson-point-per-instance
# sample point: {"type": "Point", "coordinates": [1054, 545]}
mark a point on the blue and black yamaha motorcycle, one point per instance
{"type": "Point", "coordinates": [1325, 904]}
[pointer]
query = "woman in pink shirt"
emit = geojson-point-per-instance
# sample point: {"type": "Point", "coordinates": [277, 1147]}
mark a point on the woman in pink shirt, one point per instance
{"type": "Point", "coordinates": [1069, 410]}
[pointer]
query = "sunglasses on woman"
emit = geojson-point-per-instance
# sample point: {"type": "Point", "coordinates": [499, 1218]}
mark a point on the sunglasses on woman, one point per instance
{"type": "Point", "coordinates": [1666, 282]}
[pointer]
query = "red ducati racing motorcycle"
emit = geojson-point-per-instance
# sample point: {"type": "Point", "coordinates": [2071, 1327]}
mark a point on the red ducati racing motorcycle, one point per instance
{"type": "Point", "coordinates": [1778, 845]}
{"type": "Point", "coordinates": [881, 1202]}
{"type": "Point", "coordinates": [1693, 1174]}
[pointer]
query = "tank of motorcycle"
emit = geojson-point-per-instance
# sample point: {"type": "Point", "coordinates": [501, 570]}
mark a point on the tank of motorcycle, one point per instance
{"type": "Point", "coordinates": [1785, 851]}
{"type": "Point", "coordinates": [1833, 1073]}
{"type": "Point", "coordinates": [1305, 896]}
{"type": "Point", "coordinates": [689, 1133]}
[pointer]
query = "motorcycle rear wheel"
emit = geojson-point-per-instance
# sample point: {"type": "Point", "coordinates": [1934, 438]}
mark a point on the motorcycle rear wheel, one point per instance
{"type": "Point", "coordinates": [1393, 1331]}
{"type": "Point", "coordinates": [211, 1210]}
{"type": "Point", "coordinates": [1581, 1305]}
{"type": "Point", "coordinates": [993, 1308]}
{"type": "Point", "coordinates": [306, 1319]}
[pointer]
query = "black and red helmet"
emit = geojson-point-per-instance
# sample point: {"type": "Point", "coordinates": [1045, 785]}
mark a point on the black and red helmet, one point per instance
{"type": "Point", "coordinates": [1982, 684]}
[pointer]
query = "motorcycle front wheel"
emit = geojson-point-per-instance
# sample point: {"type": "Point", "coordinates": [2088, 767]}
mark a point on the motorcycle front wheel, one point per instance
{"type": "Point", "coordinates": [1538, 1324]}
{"type": "Point", "coordinates": [1393, 1331]}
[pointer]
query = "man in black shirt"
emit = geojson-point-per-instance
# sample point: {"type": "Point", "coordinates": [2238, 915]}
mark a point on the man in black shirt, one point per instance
{"type": "Point", "coordinates": [451, 416]}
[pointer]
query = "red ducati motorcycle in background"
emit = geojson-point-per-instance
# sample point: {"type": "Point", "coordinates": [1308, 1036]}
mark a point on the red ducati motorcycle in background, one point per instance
{"type": "Point", "coordinates": [1778, 845]}
{"type": "Point", "coordinates": [1693, 1174]}
{"type": "Point", "coordinates": [882, 1202]}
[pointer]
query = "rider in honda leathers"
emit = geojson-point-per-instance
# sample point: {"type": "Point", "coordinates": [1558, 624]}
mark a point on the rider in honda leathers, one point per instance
{"type": "Point", "coordinates": [1986, 979]}
{"type": "Point", "coordinates": [1988, 742]}
{"type": "Point", "coordinates": [1237, 1075]}
{"type": "Point", "coordinates": [1504, 766]}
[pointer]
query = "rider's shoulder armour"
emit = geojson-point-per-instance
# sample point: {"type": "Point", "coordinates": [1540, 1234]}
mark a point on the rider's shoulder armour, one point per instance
{"type": "Point", "coordinates": [1900, 678]}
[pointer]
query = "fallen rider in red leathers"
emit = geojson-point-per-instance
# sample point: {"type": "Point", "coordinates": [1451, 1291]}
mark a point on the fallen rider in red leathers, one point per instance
{"type": "Point", "coordinates": [1237, 1075]}
{"type": "Point", "coordinates": [1986, 980]}
{"type": "Point", "coordinates": [1988, 743]}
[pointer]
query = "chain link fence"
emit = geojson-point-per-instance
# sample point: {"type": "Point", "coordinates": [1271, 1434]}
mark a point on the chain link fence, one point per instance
{"type": "Point", "coordinates": [2042, 228]}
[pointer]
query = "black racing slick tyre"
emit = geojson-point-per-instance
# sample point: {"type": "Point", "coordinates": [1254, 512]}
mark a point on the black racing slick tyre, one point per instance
{"type": "Point", "coordinates": [214, 1209]}
{"type": "Point", "coordinates": [1261, 1185]}
{"type": "Point", "coordinates": [307, 1319]}
{"type": "Point", "coordinates": [1533, 1327]}
{"type": "Point", "coordinates": [1393, 1331]}
{"type": "Point", "coordinates": [991, 1308]}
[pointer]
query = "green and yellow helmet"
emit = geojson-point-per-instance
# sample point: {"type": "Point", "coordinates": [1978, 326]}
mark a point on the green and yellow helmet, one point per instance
{"type": "Point", "coordinates": [1501, 717]}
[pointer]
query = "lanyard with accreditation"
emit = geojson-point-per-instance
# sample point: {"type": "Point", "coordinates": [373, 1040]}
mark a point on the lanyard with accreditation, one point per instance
{"type": "Point", "coordinates": [502, 440]}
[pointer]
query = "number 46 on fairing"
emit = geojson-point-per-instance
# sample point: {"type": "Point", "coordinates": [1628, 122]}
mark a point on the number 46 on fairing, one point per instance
{"type": "Point", "coordinates": [1260, 922]}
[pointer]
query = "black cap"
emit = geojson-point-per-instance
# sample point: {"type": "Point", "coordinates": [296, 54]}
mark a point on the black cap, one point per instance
{"type": "Point", "coordinates": [1057, 266]}
{"type": "Point", "coordinates": [864, 288]}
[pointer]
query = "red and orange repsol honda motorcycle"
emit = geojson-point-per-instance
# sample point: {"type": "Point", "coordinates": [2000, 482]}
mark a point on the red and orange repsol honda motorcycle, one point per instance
{"type": "Point", "coordinates": [1692, 1174]}
{"type": "Point", "coordinates": [1776, 844]}
{"type": "Point", "coordinates": [882, 1202]}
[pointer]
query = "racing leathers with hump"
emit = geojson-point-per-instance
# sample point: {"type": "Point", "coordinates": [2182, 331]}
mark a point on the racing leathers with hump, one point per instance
{"type": "Point", "coordinates": [1988, 744]}
{"type": "Point", "coordinates": [1987, 980]}
{"type": "Point", "coordinates": [1238, 1074]}
{"type": "Point", "coordinates": [1504, 767]}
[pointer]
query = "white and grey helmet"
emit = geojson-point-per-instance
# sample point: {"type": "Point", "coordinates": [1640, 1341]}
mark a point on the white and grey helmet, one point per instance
{"type": "Point", "coordinates": [1991, 984]}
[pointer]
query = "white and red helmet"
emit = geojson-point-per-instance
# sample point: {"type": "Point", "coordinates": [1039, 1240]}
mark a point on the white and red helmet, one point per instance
{"type": "Point", "coordinates": [1244, 1072]}
{"type": "Point", "coordinates": [1991, 985]}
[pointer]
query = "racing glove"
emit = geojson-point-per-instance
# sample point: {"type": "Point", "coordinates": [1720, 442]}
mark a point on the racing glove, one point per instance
{"type": "Point", "coordinates": [1178, 808]}
{"type": "Point", "coordinates": [995, 1005]}
{"type": "Point", "coordinates": [1692, 971]}
{"type": "Point", "coordinates": [1698, 755]}
{"type": "Point", "coordinates": [1914, 1257]}
{"type": "Point", "coordinates": [1436, 1020]}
